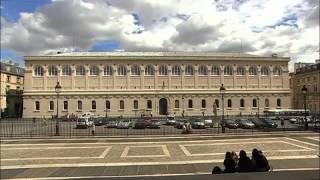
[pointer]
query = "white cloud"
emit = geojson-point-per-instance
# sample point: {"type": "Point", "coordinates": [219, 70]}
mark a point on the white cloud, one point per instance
{"type": "Point", "coordinates": [289, 28]}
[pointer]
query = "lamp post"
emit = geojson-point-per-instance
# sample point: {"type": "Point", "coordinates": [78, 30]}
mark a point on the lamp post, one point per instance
{"type": "Point", "coordinates": [182, 106]}
{"type": "Point", "coordinates": [304, 92]}
{"type": "Point", "coordinates": [222, 91]}
{"type": "Point", "coordinates": [258, 99]}
{"type": "Point", "coordinates": [58, 90]}
{"type": "Point", "coordinates": [19, 101]}
{"type": "Point", "coordinates": [107, 107]}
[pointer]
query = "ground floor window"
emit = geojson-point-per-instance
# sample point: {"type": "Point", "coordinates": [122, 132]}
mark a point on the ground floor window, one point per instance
{"type": "Point", "coordinates": [37, 106]}
{"type": "Point", "coordinates": [65, 105]}
{"type": "Point", "coordinates": [190, 104]}
{"type": "Point", "coordinates": [51, 105]}
{"type": "Point", "coordinates": [93, 105]}
{"type": "Point", "coordinates": [203, 103]}
{"type": "Point", "coordinates": [242, 103]}
{"type": "Point", "coordinates": [121, 104]}
{"type": "Point", "coordinates": [176, 104]}
{"type": "Point", "coordinates": [216, 102]}
{"type": "Point", "coordinates": [79, 105]}
{"type": "Point", "coordinates": [149, 104]}
{"type": "Point", "coordinates": [229, 103]}
{"type": "Point", "coordinates": [266, 102]}
{"type": "Point", "coordinates": [135, 104]}
{"type": "Point", "coordinates": [107, 104]}
{"type": "Point", "coordinates": [278, 102]}
{"type": "Point", "coordinates": [254, 103]}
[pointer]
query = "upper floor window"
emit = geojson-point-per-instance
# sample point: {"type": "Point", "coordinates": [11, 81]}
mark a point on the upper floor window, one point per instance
{"type": "Point", "coordinates": [107, 71]}
{"type": "Point", "coordinates": [122, 70]}
{"type": "Point", "coordinates": [228, 71]}
{"type": "Point", "coordinates": [38, 71]}
{"type": "Point", "coordinates": [190, 103]}
{"type": "Point", "coordinates": [135, 70]}
{"type": "Point", "coordinates": [215, 70]}
{"type": "Point", "coordinates": [51, 106]}
{"type": "Point", "coordinates": [241, 71]}
{"type": "Point", "coordinates": [242, 103]}
{"type": "Point", "coordinates": [163, 70]}
{"type": "Point", "coordinates": [149, 104]}
{"type": "Point", "coordinates": [37, 106]}
{"type": "Point", "coordinates": [277, 71]}
{"type": "Point", "coordinates": [79, 105]}
{"type": "Point", "coordinates": [149, 70]}
{"type": "Point", "coordinates": [93, 105]}
{"type": "Point", "coordinates": [176, 70]}
{"type": "Point", "coordinates": [253, 71]}
{"type": "Point", "coordinates": [80, 70]}
{"type": "Point", "coordinates": [8, 79]}
{"type": "Point", "coordinates": [189, 70]}
{"type": "Point", "coordinates": [203, 103]}
{"type": "Point", "coordinates": [176, 104]}
{"type": "Point", "coordinates": [264, 71]}
{"type": "Point", "coordinates": [121, 104]}
{"type": "Point", "coordinates": [52, 70]}
{"type": "Point", "coordinates": [203, 70]}
{"type": "Point", "coordinates": [229, 103]}
{"type": "Point", "coordinates": [94, 70]}
{"type": "Point", "coordinates": [135, 104]}
{"type": "Point", "coordinates": [66, 70]}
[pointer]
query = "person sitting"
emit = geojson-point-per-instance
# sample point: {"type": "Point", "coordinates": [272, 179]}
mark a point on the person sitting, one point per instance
{"type": "Point", "coordinates": [216, 170]}
{"type": "Point", "coordinates": [259, 161]}
{"type": "Point", "coordinates": [235, 158]}
{"type": "Point", "coordinates": [244, 164]}
{"type": "Point", "coordinates": [229, 164]}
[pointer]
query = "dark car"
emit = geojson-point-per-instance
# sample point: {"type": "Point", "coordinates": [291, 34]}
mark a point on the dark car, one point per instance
{"type": "Point", "coordinates": [270, 123]}
{"type": "Point", "coordinates": [231, 124]}
{"type": "Point", "coordinates": [245, 123]}
{"type": "Point", "coordinates": [100, 121]}
{"type": "Point", "coordinates": [198, 124]}
{"type": "Point", "coordinates": [259, 123]}
{"type": "Point", "coordinates": [140, 124]}
{"type": "Point", "coordinates": [112, 124]}
{"type": "Point", "coordinates": [155, 124]}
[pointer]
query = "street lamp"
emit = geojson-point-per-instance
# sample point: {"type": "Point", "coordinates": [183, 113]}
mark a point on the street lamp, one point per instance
{"type": "Point", "coordinates": [107, 105]}
{"type": "Point", "coordinates": [19, 101]}
{"type": "Point", "coordinates": [258, 99]}
{"type": "Point", "coordinates": [222, 91]}
{"type": "Point", "coordinates": [58, 90]}
{"type": "Point", "coordinates": [304, 92]}
{"type": "Point", "coordinates": [182, 106]}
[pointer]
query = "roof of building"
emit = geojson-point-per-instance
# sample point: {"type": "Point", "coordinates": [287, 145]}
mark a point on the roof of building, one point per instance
{"type": "Point", "coordinates": [310, 68]}
{"type": "Point", "coordinates": [11, 68]}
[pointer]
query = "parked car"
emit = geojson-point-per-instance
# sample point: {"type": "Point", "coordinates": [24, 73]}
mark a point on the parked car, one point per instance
{"type": "Point", "coordinates": [231, 124]}
{"type": "Point", "coordinates": [87, 114]}
{"type": "Point", "coordinates": [170, 120]}
{"type": "Point", "coordinates": [99, 121]}
{"type": "Point", "coordinates": [155, 124]}
{"type": "Point", "coordinates": [84, 122]}
{"type": "Point", "coordinates": [245, 123]}
{"type": "Point", "coordinates": [293, 120]}
{"type": "Point", "coordinates": [147, 120]}
{"type": "Point", "coordinates": [139, 124]}
{"type": "Point", "coordinates": [69, 117]}
{"type": "Point", "coordinates": [112, 124]}
{"type": "Point", "coordinates": [208, 123]}
{"type": "Point", "coordinates": [270, 123]}
{"type": "Point", "coordinates": [179, 123]}
{"type": "Point", "coordinates": [259, 123]}
{"type": "Point", "coordinates": [198, 124]}
{"type": "Point", "coordinates": [124, 124]}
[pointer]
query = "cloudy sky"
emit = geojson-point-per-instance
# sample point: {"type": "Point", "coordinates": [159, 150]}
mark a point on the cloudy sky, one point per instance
{"type": "Point", "coordinates": [286, 27]}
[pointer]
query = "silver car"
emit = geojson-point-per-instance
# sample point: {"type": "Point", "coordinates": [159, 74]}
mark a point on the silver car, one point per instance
{"type": "Point", "coordinates": [245, 123]}
{"type": "Point", "coordinates": [125, 124]}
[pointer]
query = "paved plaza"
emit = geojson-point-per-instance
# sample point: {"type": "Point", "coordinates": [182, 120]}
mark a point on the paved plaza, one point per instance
{"type": "Point", "coordinates": [131, 157]}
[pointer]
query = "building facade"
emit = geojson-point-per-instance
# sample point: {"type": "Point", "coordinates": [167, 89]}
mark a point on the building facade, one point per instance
{"type": "Point", "coordinates": [127, 83]}
{"type": "Point", "coordinates": [11, 77]}
{"type": "Point", "coordinates": [310, 77]}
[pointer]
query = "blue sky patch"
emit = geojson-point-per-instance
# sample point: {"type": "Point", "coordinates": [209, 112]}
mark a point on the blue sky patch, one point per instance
{"type": "Point", "coordinates": [7, 54]}
{"type": "Point", "coordinates": [108, 45]}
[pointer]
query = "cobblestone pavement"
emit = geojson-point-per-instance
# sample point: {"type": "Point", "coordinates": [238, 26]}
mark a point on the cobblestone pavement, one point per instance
{"type": "Point", "coordinates": [102, 156]}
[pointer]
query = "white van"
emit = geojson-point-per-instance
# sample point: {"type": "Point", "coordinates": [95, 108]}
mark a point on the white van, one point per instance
{"type": "Point", "coordinates": [84, 122]}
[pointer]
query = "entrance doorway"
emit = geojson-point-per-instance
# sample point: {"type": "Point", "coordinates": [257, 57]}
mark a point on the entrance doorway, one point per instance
{"type": "Point", "coordinates": [163, 106]}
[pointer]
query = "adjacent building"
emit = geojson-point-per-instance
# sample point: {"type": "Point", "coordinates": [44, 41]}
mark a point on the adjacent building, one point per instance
{"type": "Point", "coordinates": [310, 77]}
{"type": "Point", "coordinates": [11, 76]}
{"type": "Point", "coordinates": [159, 83]}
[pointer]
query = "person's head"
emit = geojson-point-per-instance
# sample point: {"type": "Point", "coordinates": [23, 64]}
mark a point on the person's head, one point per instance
{"type": "Point", "coordinates": [216, 170]}
{"type": "Point", "coordinates": [233, 154]}
{"type": "Point", "coordinates": [255, 152]}
{"type": "Point", "coordinates": [242, 154]}
{"type": "Point", "coordinates": [228, 155]}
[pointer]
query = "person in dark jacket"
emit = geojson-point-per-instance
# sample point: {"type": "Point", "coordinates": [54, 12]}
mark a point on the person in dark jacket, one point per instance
{"type": "Point", "coordinates": [259, 161]}
{"type": "Point", "coordinates": [229, 164]}
{"type": "Point", "coordinates": [244, 164]}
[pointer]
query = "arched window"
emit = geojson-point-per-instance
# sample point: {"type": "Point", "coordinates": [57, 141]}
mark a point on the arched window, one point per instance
{"type": "Point", "coordinates": [107, 104]}
{"type": "Point", "coordinates": [189, 70]}
{"type": "Point", "coordinates": [149, 70]}
{"type": "Point", "coordinates": [80, 70]}
{"type": "Point", "coordinates": [278, 102]}
{"type": "Point", "coordinates": [51, 106]}
{"type": "Point", "coordinates": [176, 104]}
{"type": "Point", "coordinates": [215, 70]}
{"type": "Point", "coordinates": [94, 70]}
{"type": "Point", "coordinates": [242, 103]}
{"type": "Point", "coordinates": [228, 71]}
{"type": "Point", "coordinates": [266, 102]}
{"type": "Point", "coordinates": [190, 103]}
{"type": "Point", "coordinates": [65, 105]}
{"type": "Point", "coordinates": [135, 104]}
{"type": "Point", "coordinates": [176, 71]}
{"type": "Point", "coordinates": [254, 103]}
{"type": "Point", "coordinates": [241, 71]}
{"type": "Point", "coordinates": [203, 70]}
{"type": "Point", "coordinates": [122, 70]}
{"type": "Point", "coordinates": [79, 105]}
{"type": "Point", "coordinates": [53, 71]}
{"type": "Point", "coordinates": [66, 70]}
{"type": "Point", "coordinates": [216, 102]}
{"type": "Point", "coordinates": [203, 103]}
{"type": "Point", "coordinates": [121, 104]}
{"type": "Point", "coordinates": [252, 71]}
{"type": "Point", "coordinates": [277, 71]}
{"type": "Point", "coordinates": [264, 71]}
{"type": "Point", "coordinates": [93, 105]}
{"type": "Point", "coordinates": [163, 70]}
{"type": "Point", "coordinates": [107, 71]}
{"type": "Point", "coordinates": [149, 104]}
{"type": "Point", "coordinates": [229, 103]}
{"type": "Point", "coordinates": [38, 71]}
{"type": "Point", "coordinates": [135, 70]}
{"type": "Point", "coordinates": [37, 106]}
